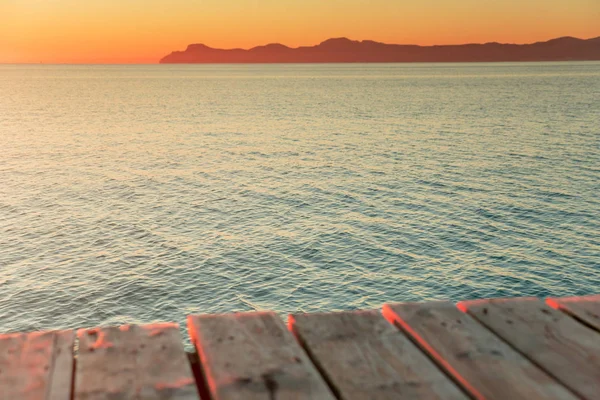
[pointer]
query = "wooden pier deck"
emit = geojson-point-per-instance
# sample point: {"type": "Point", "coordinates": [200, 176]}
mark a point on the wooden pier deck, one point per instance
{"type": "Point", "coordinates": [506, 349]}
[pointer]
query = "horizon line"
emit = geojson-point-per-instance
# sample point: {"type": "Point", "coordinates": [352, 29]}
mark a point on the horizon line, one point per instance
{"type": "Point", "coordinates": [311, 63]}
{"type": "Point", "coordinates": [314, 45]}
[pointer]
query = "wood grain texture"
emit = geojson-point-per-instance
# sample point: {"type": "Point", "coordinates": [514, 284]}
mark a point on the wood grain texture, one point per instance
{"type": "Point", "coordinates": [145, 362]}
{"type": "Point", "coordinates": [365, 357]}
{"type": "Point", "coordinates": [565, 348]}
{"type": "Point", "coordinates": [36, 366]}
{"type": "Point", "coordinates": [478, 360]}
{"type": "Point", "coordinates": [586, 308]}
{"type": "Point", "coordinates": [253, 356]}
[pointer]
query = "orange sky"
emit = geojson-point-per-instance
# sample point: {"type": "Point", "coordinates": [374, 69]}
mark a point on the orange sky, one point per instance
{"type": "Point", "coordinates": [142, 31]}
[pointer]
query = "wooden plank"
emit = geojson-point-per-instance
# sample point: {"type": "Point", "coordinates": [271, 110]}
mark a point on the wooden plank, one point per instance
{"type": "Point", "coordinates": [585, 309]}
{"type": "Point", "coordinates": [133, 362]}
{"type": "Point", "coordinates": [479, 361]}
{"type": "Point", "coordinates": [253, 356]}
{"type": "Point", "coordinates": [557, 343]}
{"type": "Point", "coordinates": [365, 357]}
{"type": "Point", "coordinates": [36, 366]}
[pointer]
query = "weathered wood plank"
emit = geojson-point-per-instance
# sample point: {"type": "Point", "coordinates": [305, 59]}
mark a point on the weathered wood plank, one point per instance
{"type": "Point", "coordinates": [586, 308]}
{"type": "Point", "coordinates": [133, 362]}
{"type": "Point", "coordinates": [365, 357]}
{"type": "Point", "coordinates": [478, 360]}
{"type": "Point", "coordinates": [253, 356]}
{"type": "Point", "coordinates": [36, 366]}
{"type": "Point", "coordinates": [565, 348]}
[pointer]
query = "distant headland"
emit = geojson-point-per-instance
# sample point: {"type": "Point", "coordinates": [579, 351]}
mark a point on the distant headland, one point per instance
{"type": "Point", "coordinates": [343, 50]}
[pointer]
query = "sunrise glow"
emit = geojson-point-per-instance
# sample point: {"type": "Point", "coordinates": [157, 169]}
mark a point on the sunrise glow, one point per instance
{"type": "Point", "coordinates": [141, 31]}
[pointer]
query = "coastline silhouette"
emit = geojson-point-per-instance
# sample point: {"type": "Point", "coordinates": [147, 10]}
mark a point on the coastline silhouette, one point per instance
{"type": "Point", "coordinates": [344, 50]}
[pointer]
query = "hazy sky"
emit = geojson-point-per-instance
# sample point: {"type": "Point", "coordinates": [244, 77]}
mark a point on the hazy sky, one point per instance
{"type": "Point", "coordinates": [145, 30]}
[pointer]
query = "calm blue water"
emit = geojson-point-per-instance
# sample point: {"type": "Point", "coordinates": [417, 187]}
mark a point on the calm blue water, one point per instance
{"type": "Point", "coordinates": [144, 193]}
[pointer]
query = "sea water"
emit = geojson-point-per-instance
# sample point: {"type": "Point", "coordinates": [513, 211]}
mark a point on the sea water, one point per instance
{"type": "Point", "coordinates": [132, 194]}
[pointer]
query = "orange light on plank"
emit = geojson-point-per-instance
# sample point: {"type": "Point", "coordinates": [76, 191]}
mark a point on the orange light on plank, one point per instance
{"type": "Point", "coordinates": [395, 319]}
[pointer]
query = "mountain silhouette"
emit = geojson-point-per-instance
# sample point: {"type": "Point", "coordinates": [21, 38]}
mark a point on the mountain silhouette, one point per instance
{"type": "Point", "coordinates": [344, 50]}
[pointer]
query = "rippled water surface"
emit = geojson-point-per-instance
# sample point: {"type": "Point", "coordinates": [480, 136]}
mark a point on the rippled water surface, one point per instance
{"type": "Point", "coordinates": [143, 193]}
